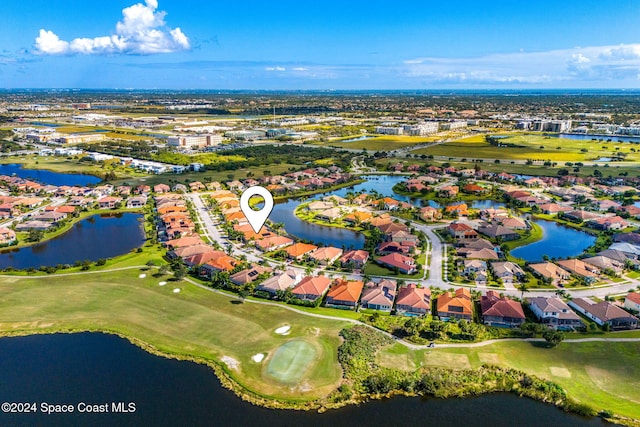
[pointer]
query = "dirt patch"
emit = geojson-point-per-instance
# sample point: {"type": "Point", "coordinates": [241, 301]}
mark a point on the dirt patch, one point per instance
{"type": "Point", "coordinates": [560, 372]}
{"type": "Point", "coordinates": [489, 358]}
{"type": "Point", "coordinates": [447, 360]}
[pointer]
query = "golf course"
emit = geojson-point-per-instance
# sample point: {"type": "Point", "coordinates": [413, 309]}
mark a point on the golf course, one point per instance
{"type": "Point", "coordinates": [274, 354]}
{"type": "Point", "coordinates": [533, 146]}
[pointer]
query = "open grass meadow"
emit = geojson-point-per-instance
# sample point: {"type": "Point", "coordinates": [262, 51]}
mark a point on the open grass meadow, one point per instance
{"type": "Point", "coordinates": [193, 322]}
{"type": "Point", "coordinates": [535, 147]}
{"type": "Point", "coordinates": [383, 143]}
{"type": "Point", "coordinates": [604, 375]}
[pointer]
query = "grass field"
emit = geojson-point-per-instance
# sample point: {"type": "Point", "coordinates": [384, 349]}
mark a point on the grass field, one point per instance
{"type": "Point", "coordinates": [383, 143]}
{"type": "Point", "coordinates": [290, 361]}
{"type": "Point", "coordinates": [603, 375]}
{"type": "Point", "coordinates": [528, 146]}
{"type": "Point", "coordinates": [192, 323]}
{"type": "Point", "coordinates": [64, 165]}
{"type": "Point", "coordinates": [204, 177]}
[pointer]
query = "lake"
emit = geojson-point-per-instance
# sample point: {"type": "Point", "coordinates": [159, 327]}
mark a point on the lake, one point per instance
{"type": "Point", "coordinates": [48, 177]}
{"type": "Point", "coordinates": [99, 368]}
{"type": "Point", "coordinates": [381, 184]}
{"type": "Point", "coordinates": [558, 241]}
{"type": "Point", "coordinates": [93, 238]}
{"type": "Point", "coordinates": [331, 236]}
{"type": "Point", "coordinates": [616, 138]}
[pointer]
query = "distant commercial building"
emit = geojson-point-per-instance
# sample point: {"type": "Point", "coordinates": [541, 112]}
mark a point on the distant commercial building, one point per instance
{"type": "Point", "coordinates": [389, 130]}
{"type": "Point", "coordinates": [194, 141]}
{"type": "Point", "coordinates": [80, 138]}
{"type": "Point", "coordinates": [81, 106]}
{"type": "Point", "coordinates": [421, 129]}
{"type": "Point", "coordinates": [245, 135]}
{"type": "Point", "coordinates": [457, 124]}
{"type": "Point", "coordinates": [556, 126]}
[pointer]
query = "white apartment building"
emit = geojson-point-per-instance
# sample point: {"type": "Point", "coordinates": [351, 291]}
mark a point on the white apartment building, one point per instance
{"type": "Point", "coordinates": [389, 130]}
{"type": "Point", "coordinates": [456, 124]}
{"type": "Point", "coordinates": [421, 129]}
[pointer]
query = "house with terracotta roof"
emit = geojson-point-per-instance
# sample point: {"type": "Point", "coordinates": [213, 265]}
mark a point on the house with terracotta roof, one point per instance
{"type": "Point", "coordinates": [161, 188]}
{"type": "Point", "coordinates": [547, 270]}
{"type": "Point", "coordinates": [430, 214]}
{"type": "Point", "coordinates": [460, 230]}
{"type": "Point", "coordinates": [456, 305]}
{"type": "Point", "coordinates": [109, 202]}
{"type": "Point", "coordinates": [581, 269]}
{"type": "Point", "coordinates": [393, 248]}
{"type": "Point", "coordinates": [404, 264]}
{"type": "Point", "coordinates": [249, 275]}
{"type": "Point", "coordinates": [344, 294]}
{"type": "Point", "coordinates": [604, 313]}
{"type": "Point", "coordinates": [379, 296]}
{"type": "Point", "coordinates": [632, 301]}
{"type": "Point", "coordinates": [202, 258]}
{"type": "Point", "coordinates": [325, 255]}
{"type": "Point", "coordinates": [280, 282]}
{"type": "Point", "coordinates": [473, 189]}
{"type": "Point", "coordinates": [448, 191]}
{"type": "Point", "coordinates": [223, 263]}
{"type": "Point", "coordinates": [460, 209]}
{"type": "Point", "coordinates": [7, 236]}
{"type": "Point", "coordinates": [299, 250]}
{"type": "Point", "coordinates": [273, 243]}
{"type": "Point", "coordinates": [501, 311]}
{"type": "Point", "coordinates": [555, 313]}
{"type": "Point", "coordinates": [184, 241]}
{"type": "Point", "coordinates": [608, 223]}
{"type": "Point", "coordinates": [187, 251]}
{"type": "Point", "coordinates": [357, 217]}
{"type": "Point", "coordinates": [311, 288]}
{"type": "Point", "coordinates": [579, 216]}
{"type": "Point", "coordinates": [413, 301]}
{"type": "Point", "coordinates": [358, 258]}
{"type": "Point", "coordinates": [67, 209]}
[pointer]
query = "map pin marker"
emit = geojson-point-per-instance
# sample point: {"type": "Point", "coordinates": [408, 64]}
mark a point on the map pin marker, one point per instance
{"type": "Point", "coordinates": [256, 218]}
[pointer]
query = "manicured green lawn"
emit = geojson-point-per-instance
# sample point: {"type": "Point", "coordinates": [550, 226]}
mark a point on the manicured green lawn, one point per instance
{"type": "Point", "coordinates": [383, 143]}
{"type": "Point", "coordinates": [605, 375]}
{"type": "Point", "coordinates": [528, 146]}
{"type": "Point", "coordinates": [64, 165]}
{"type": "Point", "coordinates": [192, 323]}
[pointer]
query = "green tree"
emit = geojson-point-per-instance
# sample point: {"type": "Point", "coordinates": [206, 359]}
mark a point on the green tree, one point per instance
{"type": "Point", "coordinates": [553, 337]}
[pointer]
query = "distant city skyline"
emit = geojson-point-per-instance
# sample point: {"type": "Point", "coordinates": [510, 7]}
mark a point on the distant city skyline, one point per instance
{"type": "Point", "coordinates": [287, 45]}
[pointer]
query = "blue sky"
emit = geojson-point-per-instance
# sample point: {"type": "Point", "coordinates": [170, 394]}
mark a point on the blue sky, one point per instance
{"type": "Point", "coordinates": [275, 44]}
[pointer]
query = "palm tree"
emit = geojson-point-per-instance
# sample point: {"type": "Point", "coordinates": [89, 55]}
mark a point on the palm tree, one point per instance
{"type": "Point", "coordinates": [523, 287]}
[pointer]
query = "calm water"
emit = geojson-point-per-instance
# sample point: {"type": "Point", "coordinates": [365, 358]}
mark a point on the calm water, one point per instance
{"type": "Point", "coordinates": [558, 242]}
{"type": "Point", "coordinates": [98, 368]}
{"type": "Point", "coordinates": [382, 184]}
{"type": "Point", "coordinates": [603, 137]}
{"type": "Point", "coordinates": [91, 239]}
{"type": "Point", "coordinates": [48, 177]}
{"type": "Point", "coordinates": [331, 236]}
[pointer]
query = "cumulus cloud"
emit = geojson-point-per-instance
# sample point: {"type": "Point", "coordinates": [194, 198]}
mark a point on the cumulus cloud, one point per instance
{"type": "Point", "coordinates": [142, 30]}
{"type": "Point", "coordinates": [558, 67]}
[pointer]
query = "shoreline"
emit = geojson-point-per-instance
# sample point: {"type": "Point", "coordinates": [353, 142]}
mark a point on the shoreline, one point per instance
{"type": "Point", "coordinates": [228, 382]}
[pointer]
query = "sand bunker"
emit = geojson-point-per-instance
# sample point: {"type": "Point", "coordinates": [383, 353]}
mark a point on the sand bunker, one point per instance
{"type": "Point", "coordinates": [162, 283]}
{"type": "Point", "coordinates": [257, 357]}
{"type": "Point", "coordinates": [142, 276]}
{"type": "Point", "coordinates": [176, 290]}
{"type": "Point", "coordinates": [283, 330]}
{"type": "Point", "coordinates": [230, 362]}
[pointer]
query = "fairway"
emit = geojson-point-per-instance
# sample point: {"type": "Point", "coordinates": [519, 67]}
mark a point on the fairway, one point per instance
{"type": "Point", "coordinates": [535, 147]}
{"type": "Point", "coordinates": [604, 375]}
{"type": "Point", "coordinates": [291, 361]}
{"type": "Point", "coordinates": [193, 323]}
{"type": "Point", "coordinates": [383, 143]}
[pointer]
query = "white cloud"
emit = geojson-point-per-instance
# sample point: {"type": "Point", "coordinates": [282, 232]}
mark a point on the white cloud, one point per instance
{"type": "Point", "coordinates": [141, 31]}
{"type": "Point", "coordinates": [595, 63]}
